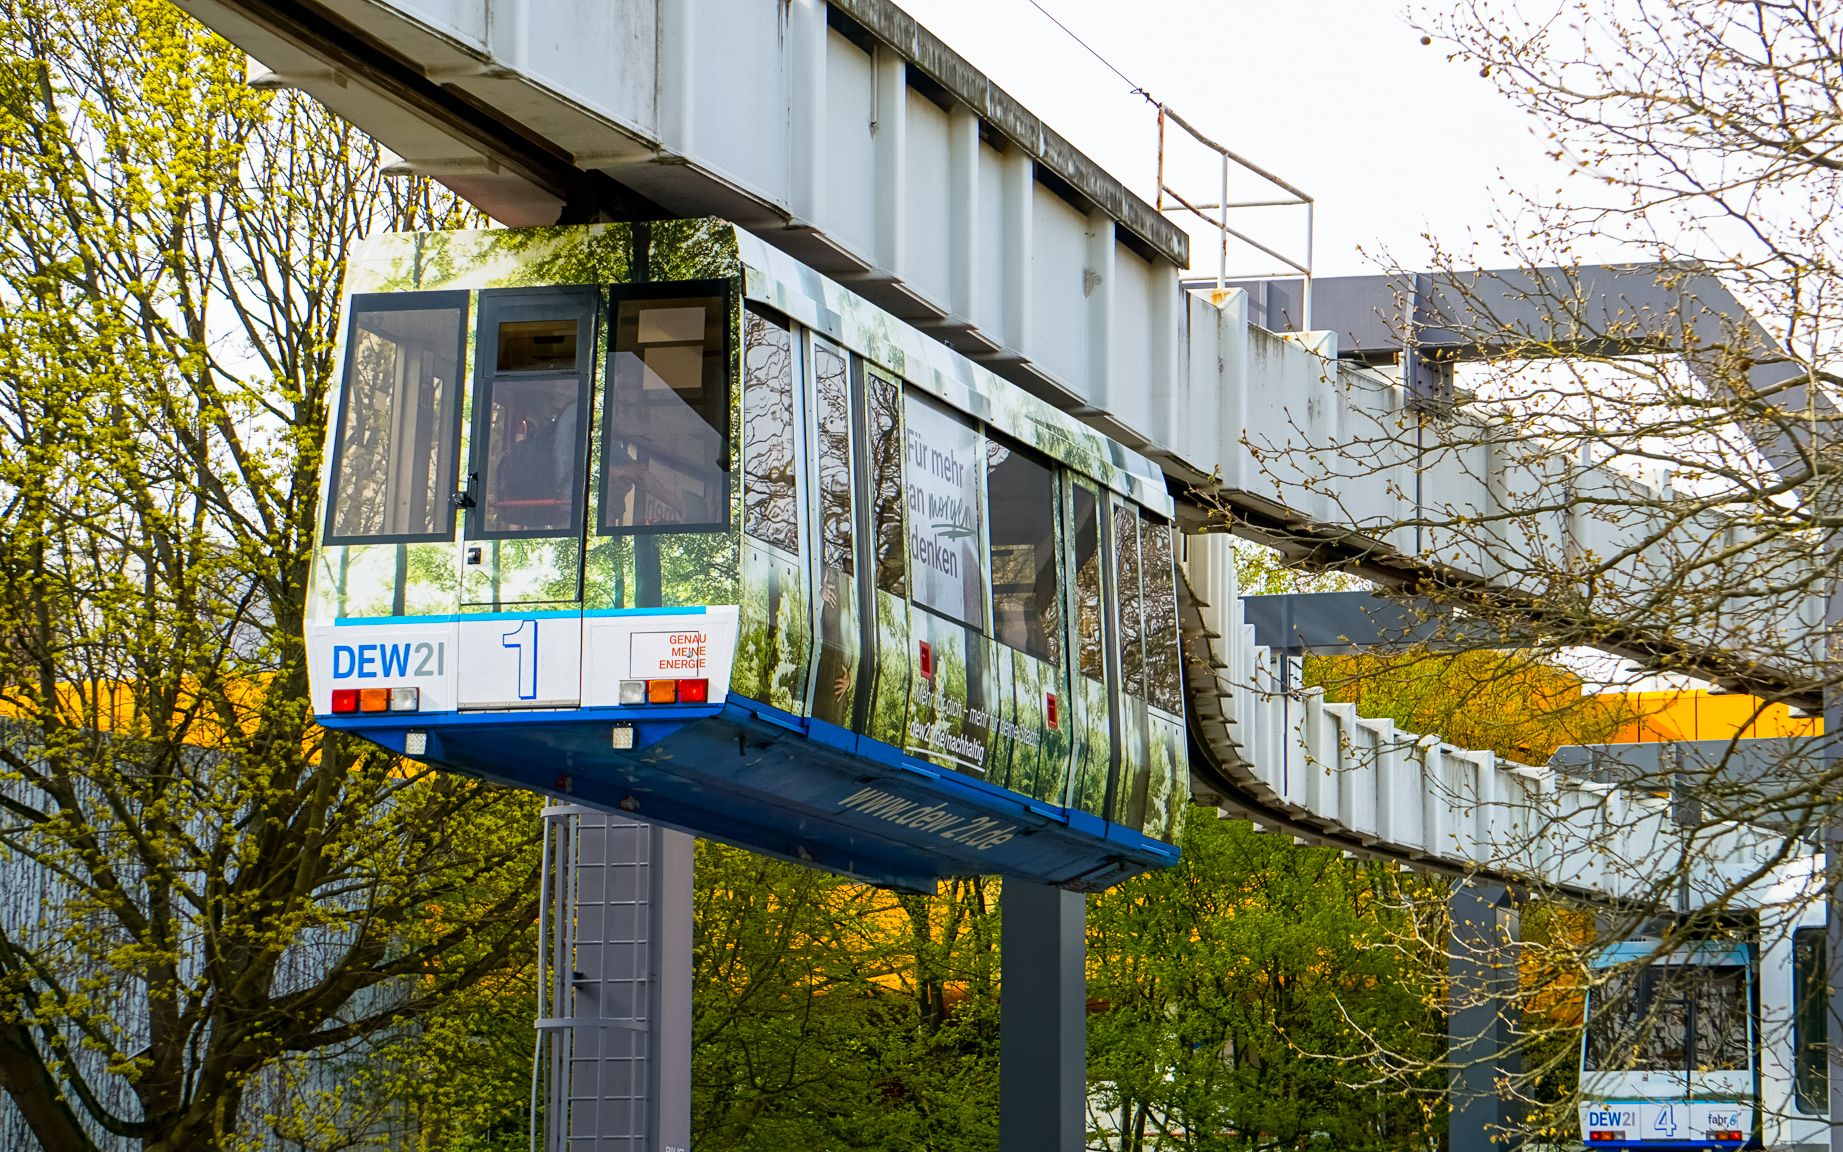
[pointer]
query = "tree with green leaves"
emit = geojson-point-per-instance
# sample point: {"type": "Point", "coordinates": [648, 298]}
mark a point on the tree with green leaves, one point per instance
{"type": "Point", "coordinates": [1255, 996]}
{"type": "Point", "coordinates": [219, 925]}
{"type": "Point", "coordinates": [832, 1015]}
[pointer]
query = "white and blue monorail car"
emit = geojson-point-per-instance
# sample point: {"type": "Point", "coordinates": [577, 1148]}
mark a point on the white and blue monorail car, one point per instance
{"type": "Point", "coordinates": [1713, 1044]}
{"type": "Point", "coordinates": [655, 516]}
{"type": "Point", "coordinates": [1668, 1054]}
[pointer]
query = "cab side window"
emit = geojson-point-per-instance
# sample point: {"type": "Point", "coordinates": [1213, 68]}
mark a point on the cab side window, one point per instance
{"type": "Point", "coordinates": [666, 447]}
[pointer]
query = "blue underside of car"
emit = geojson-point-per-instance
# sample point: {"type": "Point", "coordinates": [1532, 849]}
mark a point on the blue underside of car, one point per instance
{"type": "Point", "coordinates": [790, 787]}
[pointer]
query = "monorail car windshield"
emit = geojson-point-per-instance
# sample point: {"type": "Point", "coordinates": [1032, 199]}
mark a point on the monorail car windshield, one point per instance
{"type": "Point", "coordinates": [1668, 1055]}
{"type": "Point", "coordinates": [657, 517]}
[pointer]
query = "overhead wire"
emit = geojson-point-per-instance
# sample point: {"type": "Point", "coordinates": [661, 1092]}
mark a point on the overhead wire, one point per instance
{"type": "Point", "coordinates": [1137, 89]}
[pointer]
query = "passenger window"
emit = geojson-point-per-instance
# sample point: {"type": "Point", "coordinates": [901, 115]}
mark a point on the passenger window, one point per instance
{"type": "Point", "coordinates": [1671, 1018]}
{"type": "Point", "coordinates": [832, 399]}
{"type": "Point", "coordinates": [666, 446]}
{"type": "Point", "coordinates": [528, 418]}
{"type": "Point", "coordinates": [1163, 673]}
{"type": "Point", "coordinates": [1618, 1015]}
{"type": "Point", "coordinates": [398, 428]}
{"type": "Point", "coordinates": [1090, 657]}
{"type": "Point", "coordinates": [883, 407]}
{"type": "Point", "coordinates": [1132, 606]}
{"type": "Point", "coordinates": [768, 492]}
{"type": "Point", "coordinates": [1722, 1034]}
{"type": "Point", "coordinates": [1810, 1017]}
{"type": "Point", "coordinates": [942, 470]}
{"type": "Point", "coordinates": [1026, 610]}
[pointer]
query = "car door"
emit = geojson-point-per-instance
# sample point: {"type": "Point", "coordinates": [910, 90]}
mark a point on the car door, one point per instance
{"type": "Point", "coordinates": [524, 498]}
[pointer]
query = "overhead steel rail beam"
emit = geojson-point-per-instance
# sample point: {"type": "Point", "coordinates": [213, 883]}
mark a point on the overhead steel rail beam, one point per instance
{"type": "Point", "coordinates": [852, 138]}
{"type": "Point", "coordinates": [1283, 756]}
{"type": "Point", "coordinates": [1455, 466]}
{"type": "Point", "coordinates": [824, 126]}
{"type": "Point", "coordinates": [1346, 623]}
{"type": "Point", "coordinates": [1775, 782]}
{"type": "Point", "coordinates": [1611, 310]}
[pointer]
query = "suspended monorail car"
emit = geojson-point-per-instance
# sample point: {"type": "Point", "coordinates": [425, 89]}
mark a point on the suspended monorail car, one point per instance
{"type": "Point", "coordinates": [656, 517]}
{"type": "Point", "coordinates": [1713, 1044]}
{"type": "Point", "coordinates": [1668, 1057]}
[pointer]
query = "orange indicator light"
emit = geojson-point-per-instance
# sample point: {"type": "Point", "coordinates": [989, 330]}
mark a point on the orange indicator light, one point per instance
{"type": "Point", "coordinates": [661, 691]}
{"type": "Point", "coordinates": [374, 699]}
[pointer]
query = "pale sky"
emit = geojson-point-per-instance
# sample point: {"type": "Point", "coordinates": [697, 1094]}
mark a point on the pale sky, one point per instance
{"type": "Point", "coordinates": [1339, 97]}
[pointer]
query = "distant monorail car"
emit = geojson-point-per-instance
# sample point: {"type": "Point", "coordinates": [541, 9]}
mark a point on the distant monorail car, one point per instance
{"type": "Point", "coordinates": [1715, 1044]}
{"type": "Point", "coordinates": [657, 517]}
{"type": "Point", "coordinates": [1669, 1054]}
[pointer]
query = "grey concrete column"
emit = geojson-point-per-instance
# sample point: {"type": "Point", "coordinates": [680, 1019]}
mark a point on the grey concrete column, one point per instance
{"type": "Point", "coordinates": [614, 1012]}
{"type": "Point", "coordinates": [1481, 997]}
{"type": "Point", "coordinates": [1833, 850]}
{"type": "Point", "coordinates": [1043, 1019]}
{"type": "Point", "coordinates": [1833, 940]}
